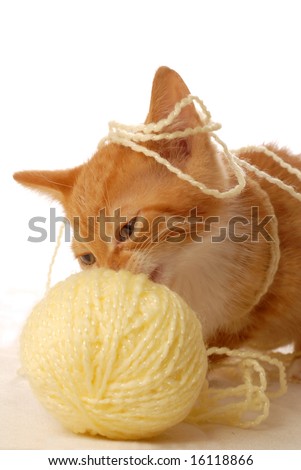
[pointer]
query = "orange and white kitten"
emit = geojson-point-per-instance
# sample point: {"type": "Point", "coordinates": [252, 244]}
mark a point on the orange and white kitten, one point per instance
{"type": "Point", "coordinates": [216, 253]}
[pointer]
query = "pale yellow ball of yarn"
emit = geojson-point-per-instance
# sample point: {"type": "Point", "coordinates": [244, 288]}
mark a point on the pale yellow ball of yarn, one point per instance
{"type": "Point", "coordinates": [114, 354]}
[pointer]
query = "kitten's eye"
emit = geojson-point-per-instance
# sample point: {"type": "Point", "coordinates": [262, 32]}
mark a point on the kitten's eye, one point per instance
{"type": "Point", "coordinates": [87, 259]}
{"type": "Point", "coordinates": [127, 230]}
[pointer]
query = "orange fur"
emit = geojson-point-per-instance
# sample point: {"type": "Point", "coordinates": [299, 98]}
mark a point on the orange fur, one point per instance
{"type": "Point", "coordinates": [221, 281]}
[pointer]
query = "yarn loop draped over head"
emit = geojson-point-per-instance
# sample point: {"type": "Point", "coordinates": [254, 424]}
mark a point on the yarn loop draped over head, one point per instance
{"type": "Point", "coordinates": [135, 136]}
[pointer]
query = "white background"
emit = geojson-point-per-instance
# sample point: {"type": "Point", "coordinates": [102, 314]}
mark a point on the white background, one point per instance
{"type": "Point", "coordinates": [68, 67]}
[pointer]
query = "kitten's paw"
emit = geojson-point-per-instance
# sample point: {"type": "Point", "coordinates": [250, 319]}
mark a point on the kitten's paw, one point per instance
{"type": "Point", "coordinates": [294, 371]}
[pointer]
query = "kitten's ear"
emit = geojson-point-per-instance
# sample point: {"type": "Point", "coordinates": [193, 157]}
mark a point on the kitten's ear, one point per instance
{"type": "Point", "coordinates": [58, 183]}
{"type": "Point", "coordinates": [169, 88]}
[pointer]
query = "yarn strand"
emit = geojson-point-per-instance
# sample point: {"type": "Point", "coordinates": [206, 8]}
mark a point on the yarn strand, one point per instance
{"type": "Point", "coordinates": [57, 246]}
{"type": "Point", "coordinates": [233, 405]}
{"type": "Point", "coordinates": [134, 136]}
{"type": "Point", "coordinates": [131, 136]}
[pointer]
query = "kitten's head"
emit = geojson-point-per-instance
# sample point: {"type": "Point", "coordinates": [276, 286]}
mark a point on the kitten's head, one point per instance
{"type": "Point", "coordinates": [127, 210]}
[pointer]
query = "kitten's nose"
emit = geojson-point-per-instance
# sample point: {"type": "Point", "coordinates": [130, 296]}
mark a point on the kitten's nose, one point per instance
{"type": "Point", "coordinates": [119, 259]}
